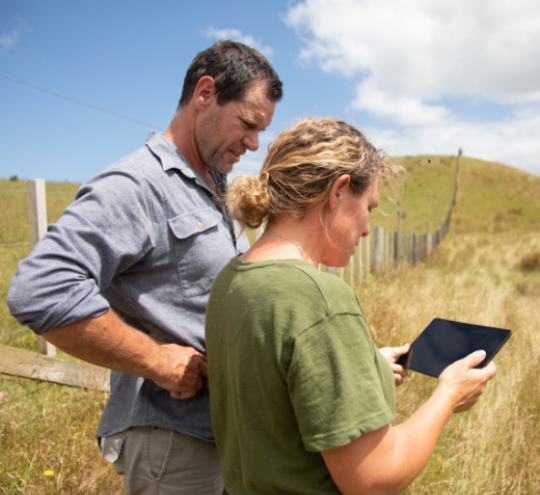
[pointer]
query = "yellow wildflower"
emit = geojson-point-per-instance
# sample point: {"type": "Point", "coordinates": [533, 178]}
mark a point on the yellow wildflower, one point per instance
{"type": "Point", "coordinates": [48, 472]}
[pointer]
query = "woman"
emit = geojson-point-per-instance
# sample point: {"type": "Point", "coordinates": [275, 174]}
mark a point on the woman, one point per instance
{"type": "Point", "coordinates": [302, 401]}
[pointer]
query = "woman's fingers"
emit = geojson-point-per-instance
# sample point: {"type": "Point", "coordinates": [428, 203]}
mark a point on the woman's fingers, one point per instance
{"type": "Point", "coordinates": [474, 359]}
{"type": "Point", "coordinates": [464, 382]}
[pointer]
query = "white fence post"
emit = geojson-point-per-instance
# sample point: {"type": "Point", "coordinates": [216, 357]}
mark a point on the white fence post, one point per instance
{"type": "Point", "coordinates": [37, 223]}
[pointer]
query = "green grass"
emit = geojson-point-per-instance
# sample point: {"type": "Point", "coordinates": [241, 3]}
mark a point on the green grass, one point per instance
{"type": "Point", "coordinates": [14, 229]}
{"type": "Point", "coordinates": [496, 198]}
{"type": "Point", "coordinates": [427, 193]}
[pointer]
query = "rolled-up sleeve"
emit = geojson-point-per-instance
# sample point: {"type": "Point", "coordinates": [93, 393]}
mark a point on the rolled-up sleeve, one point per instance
{"type": "Point", "coordinates": [107, 230]}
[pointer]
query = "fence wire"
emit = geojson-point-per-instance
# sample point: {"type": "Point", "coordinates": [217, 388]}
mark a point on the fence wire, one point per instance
{"type": "Point", "coordinates": [21, 397]}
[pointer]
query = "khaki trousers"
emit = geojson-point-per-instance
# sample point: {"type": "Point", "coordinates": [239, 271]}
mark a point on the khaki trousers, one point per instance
{"type": "Point", "coordinates": [157, 461]}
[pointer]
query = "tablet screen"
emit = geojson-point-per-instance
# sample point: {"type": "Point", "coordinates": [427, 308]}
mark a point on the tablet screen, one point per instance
{"type": "Point", "coordinates": [443, 342]}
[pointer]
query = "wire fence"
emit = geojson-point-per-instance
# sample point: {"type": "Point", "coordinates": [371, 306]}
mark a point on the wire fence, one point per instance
{"type": "Point", "coordinates": [18, 244]}
{"type": "Point", "coordinates": [391, 250]}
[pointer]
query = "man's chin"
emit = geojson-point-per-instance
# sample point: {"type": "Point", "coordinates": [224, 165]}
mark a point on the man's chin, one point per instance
{"type": "Point", "coordinates": [223, 168]}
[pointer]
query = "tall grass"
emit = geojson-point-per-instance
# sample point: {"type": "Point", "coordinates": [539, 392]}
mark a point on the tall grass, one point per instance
{"type": "Point", "coordinates": [477, 276]}
{"type": "Point", "coordinates": [495, 447]}
{"type": "Point", "coordinates": [43, 427]}
{"type": "Point", "coordinates": [485, 272]}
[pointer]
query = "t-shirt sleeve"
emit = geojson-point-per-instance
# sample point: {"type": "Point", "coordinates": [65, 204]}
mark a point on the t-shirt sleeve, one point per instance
{"type": "Point", "coordinates": [335, 383]}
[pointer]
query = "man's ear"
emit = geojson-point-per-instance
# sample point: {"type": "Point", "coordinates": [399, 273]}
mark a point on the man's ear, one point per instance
{"type": "Point", "coordinates": [204, 93]}
{"type": "Point", "coordinates": [338, 188]}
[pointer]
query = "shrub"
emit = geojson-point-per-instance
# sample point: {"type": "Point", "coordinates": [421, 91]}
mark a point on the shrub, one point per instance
{"type": "Point", "coordinates": [515, 211]}
{"type": "Point", "coordinates": [530, 262]}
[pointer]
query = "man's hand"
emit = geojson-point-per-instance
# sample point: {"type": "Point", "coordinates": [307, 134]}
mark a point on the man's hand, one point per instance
{"type": "Point", "coordinates": [109, 342]}
{"type": "Point", "coordinates": [185, 371]}
{"type": "Point", "coordinates": [392, 354]}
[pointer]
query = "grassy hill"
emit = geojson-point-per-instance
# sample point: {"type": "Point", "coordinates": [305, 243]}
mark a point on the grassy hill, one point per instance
{"type": "Point", "coordinates": [496, 198]}
{"type": "Point", "coordinates": [427, 191]}
{"type": "Point", "coordinates": [491, 197]}
{"type": "Point", "coordinates": [480, 274]}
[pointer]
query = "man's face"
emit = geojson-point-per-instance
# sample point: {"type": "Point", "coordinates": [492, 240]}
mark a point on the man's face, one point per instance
{"type": "Point", "coordinates": [223, 133]}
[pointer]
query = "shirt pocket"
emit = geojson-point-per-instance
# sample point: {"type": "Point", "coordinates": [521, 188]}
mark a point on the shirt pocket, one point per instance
{"type": "Point", "coordinates": [198, 245]}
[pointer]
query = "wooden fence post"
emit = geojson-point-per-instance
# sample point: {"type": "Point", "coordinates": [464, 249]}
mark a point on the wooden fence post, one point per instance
{"type": "Point", "coordinates": [397, 243]}
{"type": "Point", "coordinates": [377, 248]}
{"type": "Point", "coordinates": [359, 260]}
{"type": "Point", "coordinates": [367, 250]}
{"type": "Point", "coordinates": [259, 231]}
{"type": "Point", "coordinates": [386, 248]}
{"type": "Point", "coordinates": [37, 224]}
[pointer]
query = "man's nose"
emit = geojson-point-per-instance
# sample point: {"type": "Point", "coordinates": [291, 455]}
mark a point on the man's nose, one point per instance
{"type": "Point", "coordinates": [251, 140]}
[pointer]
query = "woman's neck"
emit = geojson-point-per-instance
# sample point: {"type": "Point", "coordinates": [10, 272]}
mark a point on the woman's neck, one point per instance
{"type": "Point", "coordinates": [288, 239]}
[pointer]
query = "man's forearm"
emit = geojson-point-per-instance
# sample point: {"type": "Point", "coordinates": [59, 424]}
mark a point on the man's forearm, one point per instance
{"type": "Point", "coordinates": [109, 342]}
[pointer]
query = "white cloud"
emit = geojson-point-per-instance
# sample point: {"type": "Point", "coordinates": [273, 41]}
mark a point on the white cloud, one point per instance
{"type": "Point", "coordinates": [512, 141]}
{"type": "Point", "coordinates": [404, 57]}
{"type": "Point", "coordinates": [427, 49]}
{"type": "Point", "coordinates": [236, 35]}
{"type": "Point", "coordinates": [7, 40]}
{"type": "Point", "coordinates": [402, 109]}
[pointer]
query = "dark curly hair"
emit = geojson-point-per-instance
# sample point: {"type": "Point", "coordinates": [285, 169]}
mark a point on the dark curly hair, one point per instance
{"type": "Point", "coordinates": [233, 66]}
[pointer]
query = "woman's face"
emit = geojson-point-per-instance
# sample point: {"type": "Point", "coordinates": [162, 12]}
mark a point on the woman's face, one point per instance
{"type": "Point", "coordinates": [348, 222]}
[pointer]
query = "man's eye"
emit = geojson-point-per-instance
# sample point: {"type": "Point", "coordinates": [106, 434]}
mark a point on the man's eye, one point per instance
{"type": "Point", "coordinates": [249, 125]}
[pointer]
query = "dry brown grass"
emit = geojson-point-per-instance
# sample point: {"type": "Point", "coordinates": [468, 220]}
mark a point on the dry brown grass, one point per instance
{"type": "Point", "coordinates": [51, 427]}
{"type": "Point", "coordinates": [475, 277]}
{"type": "Point", "coordinates": [495, 448]}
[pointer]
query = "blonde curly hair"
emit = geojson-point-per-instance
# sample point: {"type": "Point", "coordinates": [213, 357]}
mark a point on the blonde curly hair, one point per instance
{"type": "Point", "coordinates": [302, 164]}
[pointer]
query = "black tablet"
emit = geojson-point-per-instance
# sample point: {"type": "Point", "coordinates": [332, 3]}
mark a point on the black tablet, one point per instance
{"type": "Point", "coordinates": [443, 342]}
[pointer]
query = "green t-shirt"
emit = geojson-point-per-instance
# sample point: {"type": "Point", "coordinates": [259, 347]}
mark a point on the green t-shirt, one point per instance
{"type": "Point", "coordinates": [293, 371]}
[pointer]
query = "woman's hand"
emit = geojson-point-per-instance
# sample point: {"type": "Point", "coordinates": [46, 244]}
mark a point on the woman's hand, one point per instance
{"type": "Point", "coordinates": [463, 382]}
{"type": "Point", "coordinates": [392, 354]}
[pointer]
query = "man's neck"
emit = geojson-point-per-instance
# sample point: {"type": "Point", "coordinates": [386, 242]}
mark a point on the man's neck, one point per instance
{"type": "Point", "coordinates": [182, 136]}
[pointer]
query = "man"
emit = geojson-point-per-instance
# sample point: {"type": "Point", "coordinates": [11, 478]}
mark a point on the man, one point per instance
{"type": "Point", "coordinates": [122, 280]}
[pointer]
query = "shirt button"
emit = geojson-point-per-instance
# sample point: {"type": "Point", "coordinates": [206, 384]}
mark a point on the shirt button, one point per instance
{"type": "Point", "coordinates": [201, 225]}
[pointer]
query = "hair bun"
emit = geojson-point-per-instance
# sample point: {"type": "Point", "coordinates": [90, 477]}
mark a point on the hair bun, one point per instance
{"type": "Point", "coordinates": [248, 199]}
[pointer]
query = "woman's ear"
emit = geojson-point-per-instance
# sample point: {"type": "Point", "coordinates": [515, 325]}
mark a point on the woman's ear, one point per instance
{"type": "Point", "coordinates": [338, 190]}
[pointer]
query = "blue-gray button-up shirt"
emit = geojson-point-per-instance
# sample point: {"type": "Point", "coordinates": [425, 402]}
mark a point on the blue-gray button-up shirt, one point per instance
{"type": "Point", "coordinates": [145, 237]}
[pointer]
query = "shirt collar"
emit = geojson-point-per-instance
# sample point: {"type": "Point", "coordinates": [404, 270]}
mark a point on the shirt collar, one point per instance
{"type": "Point", "coordinates": [171, 157]}
{"type": "Point", "coordinates": [168, 154]}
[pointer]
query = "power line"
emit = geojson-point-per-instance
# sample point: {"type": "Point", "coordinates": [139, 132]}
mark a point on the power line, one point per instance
{"type": "Point", "coordinates": [81, 102]}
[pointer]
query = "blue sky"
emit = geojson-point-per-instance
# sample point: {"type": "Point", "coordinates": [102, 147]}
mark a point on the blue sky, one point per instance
{"type": "Point", "coordinates": [422, 78]}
